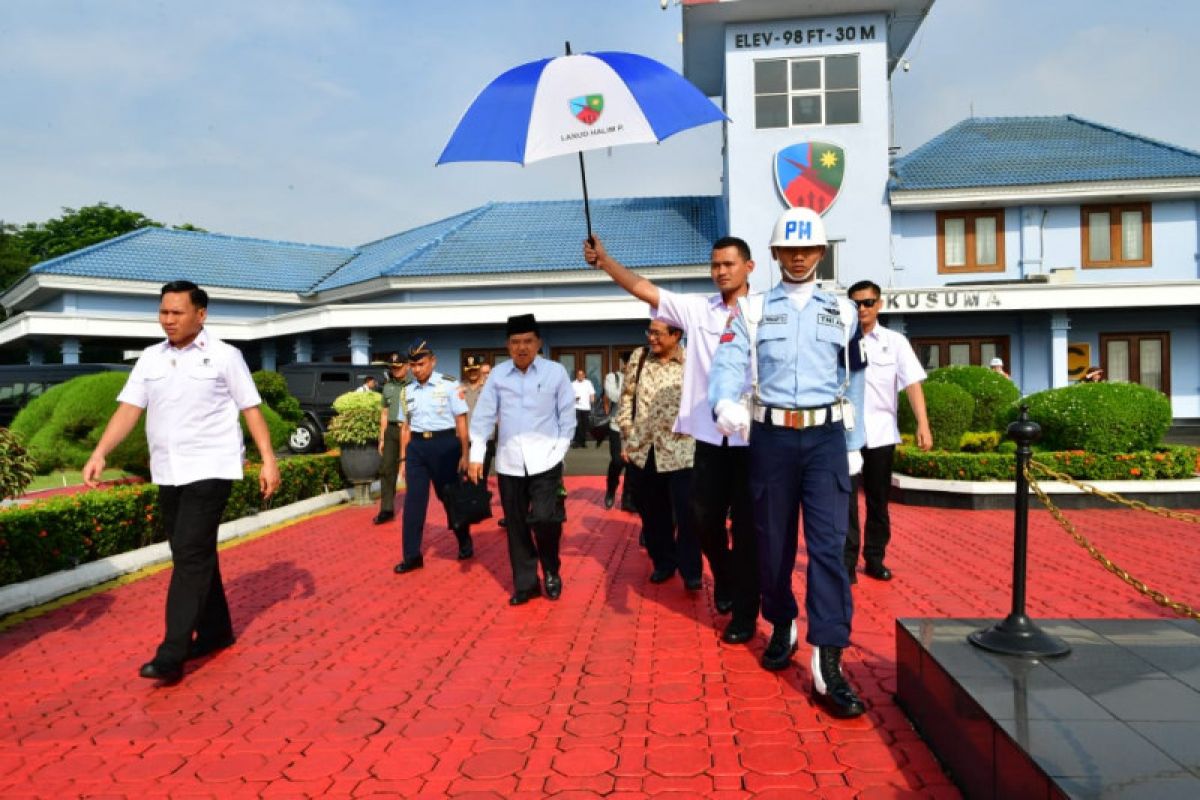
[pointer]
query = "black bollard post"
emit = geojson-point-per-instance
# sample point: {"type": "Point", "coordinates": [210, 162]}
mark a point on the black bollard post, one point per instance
{"type": "Point", "coordinates": [1017, 634]}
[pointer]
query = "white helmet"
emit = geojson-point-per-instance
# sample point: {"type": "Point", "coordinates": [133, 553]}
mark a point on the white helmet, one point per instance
{"type": "Point", "coordinates": [799, 227]}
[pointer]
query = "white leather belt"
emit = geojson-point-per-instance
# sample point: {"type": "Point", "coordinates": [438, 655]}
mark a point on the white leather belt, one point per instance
{"type": "Point", "coordinates": [797, 418]}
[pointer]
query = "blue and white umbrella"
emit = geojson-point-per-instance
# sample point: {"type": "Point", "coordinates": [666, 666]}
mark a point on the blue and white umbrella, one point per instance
{"type": "Point", "coordinates": [576, 103]}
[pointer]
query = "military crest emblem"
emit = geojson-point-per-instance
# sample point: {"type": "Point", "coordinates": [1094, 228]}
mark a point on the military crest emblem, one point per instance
{"type": "Point", "coordinates": [810, 174]}
{"type": "Point", "coordinates": [587, 108]}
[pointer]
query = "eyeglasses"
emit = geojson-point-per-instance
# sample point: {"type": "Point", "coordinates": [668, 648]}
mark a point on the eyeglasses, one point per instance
{"type": "Point", "coordinates": [867, 302]}
{"type": "Point", "coordinates": [653, 334]}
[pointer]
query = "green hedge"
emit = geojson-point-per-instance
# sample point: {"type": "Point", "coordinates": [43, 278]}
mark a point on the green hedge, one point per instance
{"type": "Point", "coordinates": [991, 391]}
{"type": "Point", "coordinates": [61, 427]}
{"type": "Point", "coordinates": [16, 467]}
{"type": "Point", "coordinates": [949, 408]}
{"type": "Point", "coordinates": [273, 389]}
{"type": "Point", "coordinates": [278, 428]}
{"type": "Point", "coordinates": [1098, 417]}
{"type": "Point", "coordinates": [62, 532]}
{"type": "Point", "coordinates": [1166, 463]}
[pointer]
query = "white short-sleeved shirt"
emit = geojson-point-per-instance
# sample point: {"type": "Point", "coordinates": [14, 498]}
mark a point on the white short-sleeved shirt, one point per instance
{"type": "Point", "coordinates": [192, 399]}
{"type": "Point", "coordinates": [585, 394]}
{"type": "Point", "coordinates": [892, 366]}
{"type": "Point", "coordinates": [703, 320]}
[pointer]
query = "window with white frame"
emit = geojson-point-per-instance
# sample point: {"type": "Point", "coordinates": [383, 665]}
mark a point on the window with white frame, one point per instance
{"type": "Point", "coordinates": [795, 92]}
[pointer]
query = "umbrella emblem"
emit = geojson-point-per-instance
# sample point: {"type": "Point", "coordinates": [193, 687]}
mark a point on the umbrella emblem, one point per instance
{"type": "Point", "coordinates": [587, 108]}
{"type": "Point", "coordinates": [810, 174]}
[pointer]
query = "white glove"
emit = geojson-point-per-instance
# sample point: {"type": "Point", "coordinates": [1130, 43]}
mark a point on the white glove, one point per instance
{"type": "Point", "coordinates": [733, 419]}
{"type": "Point", "coordinates": [854, 458]}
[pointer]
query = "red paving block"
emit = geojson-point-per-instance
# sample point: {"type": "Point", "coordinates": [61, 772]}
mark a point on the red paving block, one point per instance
{"type": "Point", "coordinates": [348, 680]}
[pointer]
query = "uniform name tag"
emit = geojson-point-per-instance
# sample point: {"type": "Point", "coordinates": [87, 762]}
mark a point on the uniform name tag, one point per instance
{"type": "Point", "coordinates": [829, 319]}
{"type": "Point", "coordinates": [774, 319]}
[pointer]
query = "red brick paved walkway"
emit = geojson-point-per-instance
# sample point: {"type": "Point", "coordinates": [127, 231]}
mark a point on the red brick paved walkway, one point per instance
{"type": "Point", "coordinates": [349, 681]}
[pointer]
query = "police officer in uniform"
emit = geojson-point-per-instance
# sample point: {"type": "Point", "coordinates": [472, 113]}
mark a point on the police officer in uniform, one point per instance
{"type": "Point", "coordinates": [390, 418]}
{"type": "Point", "coordinates": [433, 449]}
{"type": "Point", "coordinates": [801, 350]}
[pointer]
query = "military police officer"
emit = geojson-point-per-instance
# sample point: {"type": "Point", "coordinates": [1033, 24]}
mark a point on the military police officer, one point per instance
{"type": "Point", "coordinates": [390, 418]}
{"type": "Point", "coordinates": [433, 449]}
{"type": "Point", "coordinates": [799, 350]}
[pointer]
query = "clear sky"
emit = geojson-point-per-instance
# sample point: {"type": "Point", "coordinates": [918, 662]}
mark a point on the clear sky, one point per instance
{"type": "Point", "coordinates": [320, 121]}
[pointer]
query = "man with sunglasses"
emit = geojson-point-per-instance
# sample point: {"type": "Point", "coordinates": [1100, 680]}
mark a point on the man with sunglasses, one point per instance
{"type": "Point", "coordinates": [892, 366]}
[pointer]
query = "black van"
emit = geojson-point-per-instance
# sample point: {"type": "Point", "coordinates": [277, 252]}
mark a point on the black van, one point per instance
{"type": "Point", "coordinates": [316, 385]}
{"type": "Point", "coordinates": [20, 383]}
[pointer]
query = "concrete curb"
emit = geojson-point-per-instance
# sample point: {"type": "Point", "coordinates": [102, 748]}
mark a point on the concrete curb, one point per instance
{"type": "Point", "coordinates": [19, 596]}
{"type": "Point", "coordinates": [982, 495]}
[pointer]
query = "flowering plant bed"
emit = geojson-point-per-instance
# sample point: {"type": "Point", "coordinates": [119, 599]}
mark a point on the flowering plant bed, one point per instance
{"type": "Point", "coordinates": [1169, 462]}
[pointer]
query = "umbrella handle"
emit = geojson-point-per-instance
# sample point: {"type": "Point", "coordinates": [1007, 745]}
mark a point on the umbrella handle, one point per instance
{"type": "Point", "coordinates": [587, 213]}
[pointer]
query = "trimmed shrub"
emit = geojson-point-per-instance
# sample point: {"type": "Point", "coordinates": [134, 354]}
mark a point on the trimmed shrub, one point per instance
{"type": "Point", "coordinates": [357, 420]}
{"type": "Point", "coordinates": [991, 391]}
{"type": "Point", "coordinates": [1166, 463]}
{"type": "Point", "coordinates": [973, 442]}
{"type": "Point", "coordinates": [62, 532]}
{"type": "Point", "coordinates": [278, 428]}
{"type": "Point", "coordinates": [274, 391]}
{"type": "Point", "coordinates": [16, 467]}
{"type": "Point", "coordinates": [949, 409]}
{"type": "Point", "coordinates": [1098, 417]}
{"type": "Point", "coordinates": [61, 427]}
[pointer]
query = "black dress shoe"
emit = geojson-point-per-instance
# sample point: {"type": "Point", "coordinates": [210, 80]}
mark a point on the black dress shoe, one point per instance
{"type": "Point", "coordinates": [409, 565]}
{"type": "Point", "coordinates": [738, 631]}
{"type": "Point", "coordinates": [201, 648]}
{"type": "Point", "coordinates": [693, 584]}
{"type": "Point", "coordinates": [830, 688]}
{"type": "Point", "coordinates": [384, 516]}
{"type": "Point", "coordinates": [466, 551]}
{"type": "Point", "coordinates": [878, 571]}
{"type": "Point", "coordinates": [502, 522]}
{"type": "Point", "coordinates": [779, 650]}
{"type": "Point", "coordinates": [852, 574]}
{"type": "Point", "coordinates": [661, 575]}
{"type": "Point", "coordinates": [154, 671]}
{"type": "Point", "coordinates": [723, 605]}
{"type": "Point", "coordinates": [522, 597]}
{"type": "Point", "coordinates": [610, 500]}
{"type": "Point", "coordinates": [553, 585]}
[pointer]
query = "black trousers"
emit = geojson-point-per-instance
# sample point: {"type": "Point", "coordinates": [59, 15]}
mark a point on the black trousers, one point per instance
{"type": "Point", "coordinates": [662, 502]}
{"type": "Point", "coordinates": [191, 514]}
{"type": "Point", "coordinates": [876, 482]}
{"type": "Point", "coordinates": [390, 467]}
{"type": "Point", "coordinates": [489, 455]}
{"type": "Point", "coordinates": [535, 513]}
{"type": "Point", "coordinates": [720, 492]}
{"type": "Point", "coordinates": [582, 418]}
{"type": "Point", "coordinates": [428, 461]}
{"type": "Point", "coordinates": [616, 465]}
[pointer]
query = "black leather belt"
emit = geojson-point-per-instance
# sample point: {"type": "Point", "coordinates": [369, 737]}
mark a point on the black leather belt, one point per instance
{"type": "Point", "coordinates": [434, 434]}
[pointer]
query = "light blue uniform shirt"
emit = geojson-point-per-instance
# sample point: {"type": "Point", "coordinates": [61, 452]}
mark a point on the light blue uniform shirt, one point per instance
{"type": "Point", "coordinates": [800, 359]}
{"type": "Point", "coordinates": [536, 412]}
{"type": "Point", "coordinates": [433, 405]}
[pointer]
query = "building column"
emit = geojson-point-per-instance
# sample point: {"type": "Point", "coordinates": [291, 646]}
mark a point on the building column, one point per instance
{"type": "Point", "coordinates": [266, 354]}
{"type": "Point", "coordinates": [895, 322]}
{"type": "Point", "coordinates": [36, 355]}
{"type": "Point", "coordinates": [71, 348]}
{"type": "Point", "coordinates": [1060, 325]}
{"type": "Point", "coordinates": [302, 349]}
{"type": "Point", "coordinates": [360, 346]}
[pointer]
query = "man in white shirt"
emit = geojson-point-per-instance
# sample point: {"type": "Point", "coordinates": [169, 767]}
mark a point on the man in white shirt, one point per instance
{"type": "Point", "coordinates": [720, 474]}
{"type": "Point", "coordinates": [192, 387]}
{"type": "Point", "coordinates": [585, 396]}
{"type": "Point", "coordinates": [530, 398]}
{"type": "Point", "coordinates": [892, 366]}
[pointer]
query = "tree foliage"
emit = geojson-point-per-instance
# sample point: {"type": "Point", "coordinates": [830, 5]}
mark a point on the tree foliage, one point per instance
{"type": "Point", "coordinates": [22, 246]}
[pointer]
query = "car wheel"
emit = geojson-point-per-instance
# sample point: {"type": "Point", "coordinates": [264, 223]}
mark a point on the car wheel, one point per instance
{"type": "Point", "coordinates": [305, 438]}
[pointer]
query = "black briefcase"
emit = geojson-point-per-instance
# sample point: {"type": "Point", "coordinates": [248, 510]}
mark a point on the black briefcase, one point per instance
{"type": "Point", "coordinates": [466, 502]}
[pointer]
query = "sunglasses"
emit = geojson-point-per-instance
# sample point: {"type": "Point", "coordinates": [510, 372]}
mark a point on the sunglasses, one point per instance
{"type": "Point", "coordinates": [868, 302]}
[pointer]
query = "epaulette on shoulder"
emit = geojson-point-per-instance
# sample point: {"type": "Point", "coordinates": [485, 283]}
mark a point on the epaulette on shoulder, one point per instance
{"type": "Point", "coordinates": [449, 379]}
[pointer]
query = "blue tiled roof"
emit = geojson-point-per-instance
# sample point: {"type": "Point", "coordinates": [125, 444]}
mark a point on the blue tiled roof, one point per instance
{"type": "Point", "coordinates": [161, 255]}
{"type": "Point", "coordinates": [542, 236]}
{"type": "Point", "coordinates": [1015, 151]}
{"type": "Point", "coordinates": [498, 238]}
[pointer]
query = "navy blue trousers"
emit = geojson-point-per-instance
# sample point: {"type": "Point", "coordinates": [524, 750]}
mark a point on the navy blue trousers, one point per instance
{"type": "Point", "coordinates": [427, 461]}
{"type": "Point", "coordinates": [804, 469]}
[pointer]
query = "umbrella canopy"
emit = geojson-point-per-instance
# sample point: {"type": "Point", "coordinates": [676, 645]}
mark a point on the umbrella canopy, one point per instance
{"type": "Point", "coordinates": [575, 103]}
